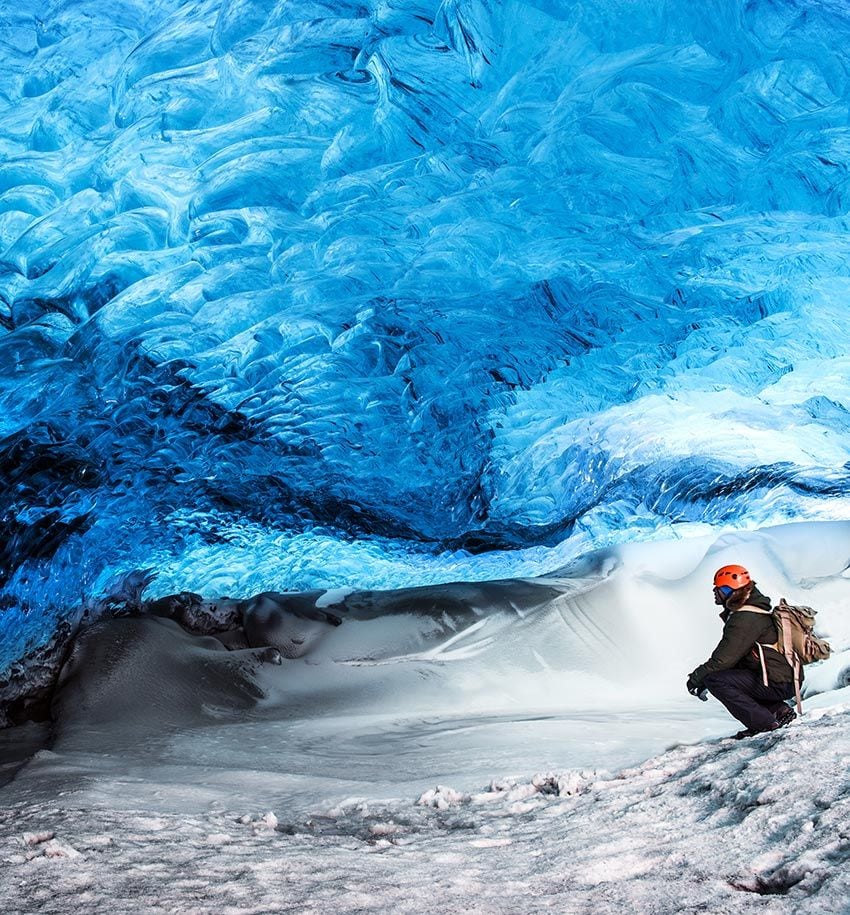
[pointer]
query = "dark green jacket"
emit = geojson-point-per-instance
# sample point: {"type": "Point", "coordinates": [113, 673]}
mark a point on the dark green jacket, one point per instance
{"type": "Point", "coordinates": [742, 629]}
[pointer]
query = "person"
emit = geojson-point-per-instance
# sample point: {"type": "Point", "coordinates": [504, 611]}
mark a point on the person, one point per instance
{"type": "Point", "coordinates": [746, 672]}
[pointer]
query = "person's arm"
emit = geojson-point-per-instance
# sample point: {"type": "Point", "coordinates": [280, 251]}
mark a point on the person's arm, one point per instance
{"type": "Point", "coordinates": [738, 638]}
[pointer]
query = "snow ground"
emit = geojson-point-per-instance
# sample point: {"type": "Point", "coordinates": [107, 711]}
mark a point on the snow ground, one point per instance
{"type": "Point", "coordinates": [719, 826]}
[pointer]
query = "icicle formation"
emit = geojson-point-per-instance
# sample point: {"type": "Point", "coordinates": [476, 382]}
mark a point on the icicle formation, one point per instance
{"type": "Point", "coordinates": [299, 294]}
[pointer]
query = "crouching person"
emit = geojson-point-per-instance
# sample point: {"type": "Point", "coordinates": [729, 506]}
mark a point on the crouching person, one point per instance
{"type": "Point", "coordinates": [746, 672]}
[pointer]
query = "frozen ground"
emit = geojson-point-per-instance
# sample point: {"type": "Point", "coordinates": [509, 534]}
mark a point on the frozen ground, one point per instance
{"type": "Point", "coordinates": [392, 768]}
{"type": "Point", "coordinates": [715, 827]}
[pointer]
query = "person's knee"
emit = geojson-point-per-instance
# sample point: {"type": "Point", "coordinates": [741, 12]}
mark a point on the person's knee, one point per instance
{"type": "Point", "coordinates": [719, 684]}
{"type": "Point", "coordinates": [714, 679]}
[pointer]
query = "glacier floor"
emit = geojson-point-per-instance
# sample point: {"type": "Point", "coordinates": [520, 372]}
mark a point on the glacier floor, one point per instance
{"type": "Point", "coordinates": [713, 826]}
{"type": "Point", "coordinates": [300, 765]}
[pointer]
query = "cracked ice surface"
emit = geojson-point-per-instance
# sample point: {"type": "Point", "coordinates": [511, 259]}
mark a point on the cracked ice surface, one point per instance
{"type": "Point", "coordinates": [318, 294]}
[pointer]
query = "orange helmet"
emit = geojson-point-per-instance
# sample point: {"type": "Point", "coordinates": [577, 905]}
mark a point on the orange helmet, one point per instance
{"type": "Point", "coordinates": [733, 577]}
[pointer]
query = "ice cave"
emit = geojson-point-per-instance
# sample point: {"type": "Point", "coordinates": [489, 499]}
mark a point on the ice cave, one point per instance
{"type": "Point", "coordinates": [382, 384]}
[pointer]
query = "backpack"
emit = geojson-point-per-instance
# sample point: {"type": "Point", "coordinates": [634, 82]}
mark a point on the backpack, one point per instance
{"type": "Point", "coordinates": [797, 642]}
{"type": "Point", "coordinates": [796, 624]}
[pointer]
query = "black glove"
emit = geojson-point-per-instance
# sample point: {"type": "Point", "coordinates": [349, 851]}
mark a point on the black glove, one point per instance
{"type": "Point", "coordinates": [697, 689]}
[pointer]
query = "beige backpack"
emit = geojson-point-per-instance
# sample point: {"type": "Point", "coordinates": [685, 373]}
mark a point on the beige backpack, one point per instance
{"type": "Point", "coordinates": [797, 641]}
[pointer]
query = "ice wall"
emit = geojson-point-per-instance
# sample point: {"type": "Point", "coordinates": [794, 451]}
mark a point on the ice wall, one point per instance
{"type": "Point", "coordinates": [305, 294]}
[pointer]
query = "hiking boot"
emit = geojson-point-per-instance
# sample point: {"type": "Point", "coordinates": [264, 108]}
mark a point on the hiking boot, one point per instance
{"type": "Point", "coordinates": [785, 716]}
{"type": "Point", "coordinates": [749, 732]}
{"type": "Point", "coordinates": [745, 733]}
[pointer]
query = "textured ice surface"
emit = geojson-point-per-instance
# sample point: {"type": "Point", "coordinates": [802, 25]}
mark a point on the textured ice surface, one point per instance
{"type": "Point", "coordinates": [713, 827]}
{"type": "Point", "coordinates": [721, 827]}
{"type": "Point", "coordinates": [341, 294]}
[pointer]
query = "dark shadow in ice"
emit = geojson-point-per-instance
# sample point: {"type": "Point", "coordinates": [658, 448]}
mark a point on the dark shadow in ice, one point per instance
{"type": "Point", "coordinates": [779, 884]}
{"type": "Point", "coordinates": [166, 660]}
{"type": "Point", "coordinates": [297, 623]}
{"type": "Point", "coordinates": [18, 745]}
{"type": "Point", "coordinates": [290, 622]}
{"type": "Point", "coordinates": [139, 676]}
{"type": "Point", "coordinates": [183, 660]}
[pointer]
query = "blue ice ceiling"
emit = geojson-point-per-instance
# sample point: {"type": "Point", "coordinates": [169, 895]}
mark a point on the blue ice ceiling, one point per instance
{"type": "Point", "coordinates": [302, 294]}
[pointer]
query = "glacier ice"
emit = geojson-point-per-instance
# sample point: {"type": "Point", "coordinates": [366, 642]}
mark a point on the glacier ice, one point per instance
{"type": "Point", "coordinates": [318, 293]}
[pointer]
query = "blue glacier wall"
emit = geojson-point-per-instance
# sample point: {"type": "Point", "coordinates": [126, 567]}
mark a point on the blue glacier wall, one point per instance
{"type": "Point", "coordinates": [313, 294]}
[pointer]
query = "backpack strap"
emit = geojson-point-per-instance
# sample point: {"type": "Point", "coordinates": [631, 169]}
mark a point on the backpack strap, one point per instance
{"type": "Point", "coordinates": [752, 609]}
{"type": "Point", "coordinates": [797, 694]}
{"type": "Point", "coordinates": [791, 656]}
{"type": "Point", "coordinates": [760, 648]}
{"type": "Point", "coordinates": [762, 662]}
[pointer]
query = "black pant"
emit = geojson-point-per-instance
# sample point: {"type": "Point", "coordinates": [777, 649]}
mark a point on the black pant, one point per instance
{"type": "Point", "coordinates": [747, 698]}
